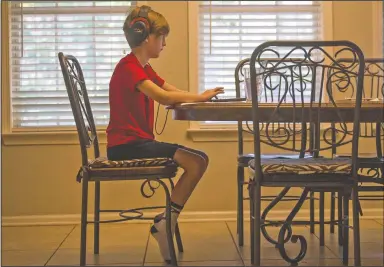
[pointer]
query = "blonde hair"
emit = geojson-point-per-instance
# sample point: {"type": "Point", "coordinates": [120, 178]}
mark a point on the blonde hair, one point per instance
{"type": "Point", "coordinates": [158, 25]}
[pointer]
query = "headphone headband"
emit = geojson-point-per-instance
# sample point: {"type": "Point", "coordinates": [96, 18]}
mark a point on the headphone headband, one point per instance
{"type": "Point", "coordinates": [143, 12]}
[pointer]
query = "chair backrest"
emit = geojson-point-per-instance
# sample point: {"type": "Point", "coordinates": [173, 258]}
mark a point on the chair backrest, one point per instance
{"type": "Point", "coordinates": [315, 59]}
{"type": "Point", "coordinates": [287, 136]}
{"type": "Point", "coordinates": [80, 105]}
{"type": "Point", "coordinates": [374, 77]}
{"type": "Point", "coordinates": [373, 89]}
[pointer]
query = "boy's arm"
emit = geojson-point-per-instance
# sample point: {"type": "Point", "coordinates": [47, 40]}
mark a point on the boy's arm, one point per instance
{"type": "Point", "coordinates": [169, 87]}
{"type": "Point", "coordinates": [165, 97]}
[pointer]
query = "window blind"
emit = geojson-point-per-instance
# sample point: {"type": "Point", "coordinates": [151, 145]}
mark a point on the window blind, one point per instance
{"type": "Point", "coordinates": [88, 30]}
{"type": "Point", "coordinates": [229, 31]}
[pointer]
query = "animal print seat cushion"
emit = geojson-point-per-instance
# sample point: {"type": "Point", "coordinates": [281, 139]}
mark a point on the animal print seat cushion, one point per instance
{"type": "Point", "coordinates": [101, 164]}
{"type": "Point", "coordinates": [304, 166]}
{"type": "Point", "coordinates": [148, 162]}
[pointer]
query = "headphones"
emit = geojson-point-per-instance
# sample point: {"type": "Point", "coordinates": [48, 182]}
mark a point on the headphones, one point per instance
{"type": "Point", "coordinates": [140, 28]}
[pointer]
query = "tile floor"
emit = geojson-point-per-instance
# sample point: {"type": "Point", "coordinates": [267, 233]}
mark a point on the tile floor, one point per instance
{"type": "Point", "coordinates": [205, 244]}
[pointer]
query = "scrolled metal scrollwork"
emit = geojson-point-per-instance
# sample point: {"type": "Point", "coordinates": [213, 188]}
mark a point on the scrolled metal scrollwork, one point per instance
{"type": "Point", "coordinates": [374, 69]}
{"type": "Point", "coordinates": [277, 139]}
{"type": "Point", "coordinates": [150, 185]}
{"type": "Point", "coordinates": [294, 238]}
{"type": "Point", "coordinates": [265, 223]}
{"type": "Point", "coordinates": [333, 136]}
{"type": "Point", "coordinates": [281, 78]}
{"type": "Point", "coordinates": [371, 172]}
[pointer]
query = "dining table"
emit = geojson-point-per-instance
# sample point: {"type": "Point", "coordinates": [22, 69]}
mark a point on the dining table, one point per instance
{"type": "Point", "coordinates": [372, 111]}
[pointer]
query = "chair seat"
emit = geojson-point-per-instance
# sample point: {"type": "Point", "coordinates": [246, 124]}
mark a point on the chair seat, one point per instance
{"type": "Point", "coordinates": [244, 159]}
{"type": "Point", "coordinates": [366, 160]}
{"type": "Point", "coordinates": [304, 166]}
{"type": "Point", "coordinates": [134, 168]}
{"type": "Point", "coordinates": [103, 162]}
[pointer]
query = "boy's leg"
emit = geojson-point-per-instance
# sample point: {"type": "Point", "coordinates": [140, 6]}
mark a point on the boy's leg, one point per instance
{"type": "Point", "coordinates": [194, 164]}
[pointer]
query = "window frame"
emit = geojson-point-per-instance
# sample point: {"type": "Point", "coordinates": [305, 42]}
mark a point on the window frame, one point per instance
{"type": "Point", "coordinates": [227, 132]}
{"type": "Point", "coordinates": [378, 28]}
{"type": "Point", "coordinates": [30, 135]}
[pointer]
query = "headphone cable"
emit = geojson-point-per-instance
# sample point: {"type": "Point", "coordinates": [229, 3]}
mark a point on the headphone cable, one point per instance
{"type": "Point", "coordinates": [165, 122]}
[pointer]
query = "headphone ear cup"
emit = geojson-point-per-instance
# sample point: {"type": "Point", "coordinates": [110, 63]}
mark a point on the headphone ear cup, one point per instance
{"type": "Point", "coordinates": [138, 31]}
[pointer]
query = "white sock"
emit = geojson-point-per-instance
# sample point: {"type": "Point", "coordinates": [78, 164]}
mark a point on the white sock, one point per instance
{"type": "Point", "coordinates": [159, 232]}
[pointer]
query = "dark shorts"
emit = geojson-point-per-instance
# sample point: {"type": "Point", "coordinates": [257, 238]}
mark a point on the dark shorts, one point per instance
{"type": "Point", "coordinates": [147, 149]}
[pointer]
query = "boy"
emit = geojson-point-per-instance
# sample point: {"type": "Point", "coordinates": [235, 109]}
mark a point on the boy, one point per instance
{"type": "Point", "coordinates": [134, 87]}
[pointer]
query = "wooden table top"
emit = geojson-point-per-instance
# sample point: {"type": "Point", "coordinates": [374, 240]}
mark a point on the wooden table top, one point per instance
{"type": "Point", "coordinates": [371, 111]}
{"type": "Point", "coordinates": [244, 104]}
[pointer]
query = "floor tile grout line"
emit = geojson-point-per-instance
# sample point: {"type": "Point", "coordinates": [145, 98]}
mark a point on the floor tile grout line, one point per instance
{"type": "Point", "coordinates": [234, 242]}
{"type": "Point", "coordinates": [325, 245]}
{"type": "Point", "coordinates": [146, 247]}
{"type": "Point", "coordinates": [65, 238]}
{"type": "Point", "coordinates": [337, 254]}
{"type": "Point", "coordinates": [330, 242]}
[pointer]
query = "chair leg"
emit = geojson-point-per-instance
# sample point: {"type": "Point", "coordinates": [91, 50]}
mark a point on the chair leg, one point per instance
{"type": "Point", "coordinates": [256, 223]}
{"type": "Point", "coordinates": [345, 229]}
{"type": "Point", "coordinates": [84, 211]}
{"type": "Point", "coordinates": [321, 215]}
{"type": "Point", "coordinates": [96, 238]}
{"type": "Point", "coordinates": [340, 217]}
{"type": "Point", "coordinates": [178, 239]}
{"type": "Point", "coordinates": [312, 212]}
{"type": "Point", "coordinates": [333, 204]}
{"type": "Point", "coordinates": [251, 219]}
{"type": "Point", "coordinates": [240, 207]}
{"type": "Point", "coordinates": [356, 226]}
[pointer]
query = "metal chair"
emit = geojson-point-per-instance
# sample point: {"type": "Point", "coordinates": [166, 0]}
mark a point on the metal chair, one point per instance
{"type": "Point", "coordinates": [293, 147]}
{"type": "Point", "coordinates": [372, 162]}
{"type": "Point", "coordinates": [316, 174]}
{"type": "Point", "coordinates": [153, 171]}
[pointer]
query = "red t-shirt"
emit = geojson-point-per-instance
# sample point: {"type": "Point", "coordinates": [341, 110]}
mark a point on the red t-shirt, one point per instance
{"type": "Point", "coordinates": [131, 111]}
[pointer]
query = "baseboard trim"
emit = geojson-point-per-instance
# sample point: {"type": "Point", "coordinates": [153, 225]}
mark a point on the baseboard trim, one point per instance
{"type": "Point", "coordinates": [191, 216]}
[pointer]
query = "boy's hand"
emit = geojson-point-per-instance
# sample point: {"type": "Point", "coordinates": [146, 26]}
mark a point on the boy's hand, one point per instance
{"type": "Point", "coordinates": [210, 93]}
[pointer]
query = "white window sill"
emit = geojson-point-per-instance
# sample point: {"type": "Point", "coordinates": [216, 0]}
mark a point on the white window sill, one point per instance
{"type": "Point", "coordinates": [46, 138]}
